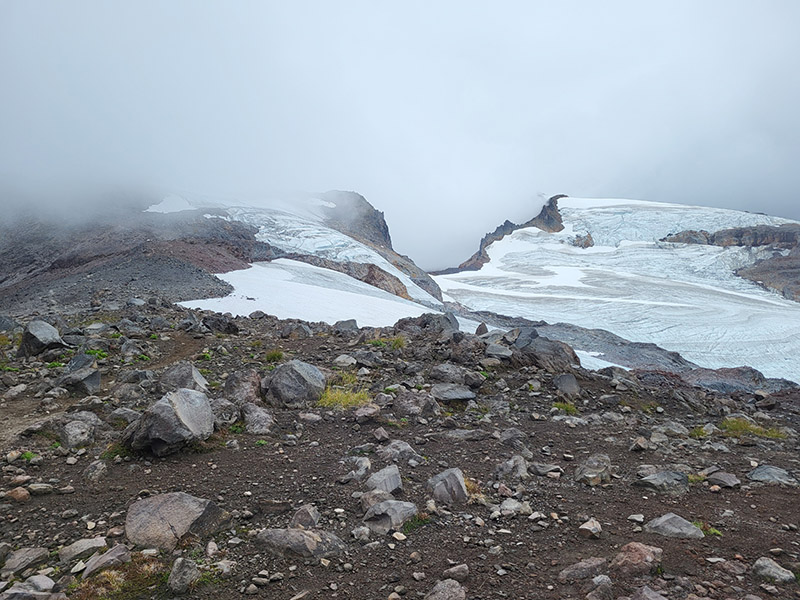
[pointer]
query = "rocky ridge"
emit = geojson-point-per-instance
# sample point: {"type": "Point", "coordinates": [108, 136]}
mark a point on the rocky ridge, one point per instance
{"type": "Point", "coordinates": [780, 272]}
{"type": "Point", "coordinates": [195, 454]}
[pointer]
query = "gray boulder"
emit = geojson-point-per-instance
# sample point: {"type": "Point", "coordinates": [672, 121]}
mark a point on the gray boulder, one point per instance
{"type": "Point", "coordinates": [674, 483]}
{"type": "Point", "coordinates": [448, 373]}
{"type": "Point", "coordinates": [296, 384]}
{"type": "Point", "coordinates": [38, 337]}
{"type": "Point", "coordinates": [448, 487]}
{"type": "Point", "coordinates": [414, 404]}
{"type": "Point", "coordinates": [772, 475]}
{"type": "Point", "coordinates": [306, 517]}
{"type": "Point", "coordinates": [499, 351]}
{"type": "Point", "coordinates": [446, 589]}
{"type": "Point", "coordinates": [515, 468]}
{"type": "Point", "coordinates": [387, 479]}
{"type": "Point", "coordinates": [399, 451]}
{"type": "Point", "coordinates": [182, 375]}
{"type": "Point", "coordinates": [766, 568]}
{"type": "Point", "coordinates": [301, 542]}
{"type": "Point", "coordinates": [118, 555]}
{"type": "Point", "coordinates": [452, 392]}
{"type": "Point", "coordinates": [387, 515]}
{"type": "Point", "coordinates": [594, 471]}
{"type": "Point", "coordinates": [567, 384]}
{"type": "Point", "coordinates": [674, 526]}
{"type": "Point", "coordinates": [723, 479]}
{"type": "Point", "coordinates": [81, 549]}
{"type": "Point", "coordinates": [175, 420]}
{"type": "Point", "coordinates": [183, 574]}
{"type": "Point", "coordinates": [163, 520]}
{"type": "Point", "coordinates": [257, 420]}
{"type": "Point", "coordinates": [243, 387]}
{"type": "Point", "coordinates": [21, 559]}
{"type": "Point", "coordinates": [226, 413]}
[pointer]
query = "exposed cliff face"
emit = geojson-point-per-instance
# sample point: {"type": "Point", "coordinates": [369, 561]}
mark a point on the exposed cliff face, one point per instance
{"type": "Point", "coordinates": [356, 217]}
{"type": "Point", "coordinates": [780, 272]}
{"type": "Point", "coordinates": [548, 219]}
{"type": "Point", "coordinates": [353, 215]}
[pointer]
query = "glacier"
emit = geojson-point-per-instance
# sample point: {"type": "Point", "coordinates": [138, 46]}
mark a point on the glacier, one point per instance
{"type": "Point", "coordinates": [683, 297]}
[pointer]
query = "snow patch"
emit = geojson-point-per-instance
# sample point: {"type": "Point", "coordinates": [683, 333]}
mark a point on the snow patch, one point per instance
{"type": "Point", "coordinates": [171, 204]}
{"type": "Point", "coordinates": [291, 289]}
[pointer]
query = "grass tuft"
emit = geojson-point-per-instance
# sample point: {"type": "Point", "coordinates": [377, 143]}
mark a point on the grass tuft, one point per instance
{"type": "Point", "coordinates": [736, 427]}
{"type": "Point", "coordinates": [343, 399]}
{"type": "Point", "coordinates": [567, 407]}
{"type": "Point", "coordinates": [274, 356]}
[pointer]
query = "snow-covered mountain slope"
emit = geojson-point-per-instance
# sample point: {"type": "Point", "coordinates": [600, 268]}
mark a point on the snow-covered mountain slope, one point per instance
{"type": "Point", "coordinates": [302, 228]}
{"type": "Point", "coordinates": [682, 297]}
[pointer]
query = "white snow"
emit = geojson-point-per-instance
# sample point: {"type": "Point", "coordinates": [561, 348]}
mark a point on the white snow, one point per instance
{"type": "Point", "coordinates": [290, 289]}
{"type": "Point", "coordinates": [171, 204]}
{"type": "Point", "coordinates": [681, 297]}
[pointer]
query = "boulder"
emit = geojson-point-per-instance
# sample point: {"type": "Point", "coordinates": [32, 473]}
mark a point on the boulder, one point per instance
{"type": "Point", "coordinates": [226, 413]}
{"type": "Point", "coordinates": [547, 354]}
{"type": "Point", "coordinates": [183, 574]}
{"type": "Point", "coordinates": [448, 487]}
{"type": "Point", "coordinates": [635, 559]}
{"type": "Point", "coordinates": [177, 419]}
{"type": "Point", "coordinates": [412, 404]}
{"type": "Point", "coordinates": [221, 324]}
{"type": "Point", "coordinates": [766, 568]}
{"type": "Point", "coordinates": [306, 517]}
{"type": "Point", "coordinates": [673, 483]}
{"type": "Point", "coordinates": [772, 475]}
{"type": "Point", "coordinates": [38, 337]}
{"type": "Point", "coordinates": [723, 479]}
{"type": "Point", "coordinates": [446, 589]}
{"type": "Point", "coordinates": [21, 559]}
{"type": "Point", "coordinates": [243, 386]}
{"type": "Point", "coordinates": [81, 549]}
{"type": "Point", "coordinates": [387, 479]}
{"type": "Point", "coordinates": [674, 526]}
{"type": "Point", "coordinates": [515, 468]}
{"type": "Point", "coordinates": [594, 471]}
{"type": "Point", "coordinates": [118, 555]}
{"type": "Point", "coordinates": [257, 420]}
{"type": "Point", "coordinates": [81, 375]}
{"type": "Point", "coordinates": [567, 384]}
{"type": "Point", "coordinates": [584, 569]}
{"type": "Point", "coordinates": [387, 515]}
{"type": "Point", "coordinates": [296, 384]}
{"type": "Point", "coordinates": [182, 375]}
{"type": "Point", "coordinates": [163, 520]}
{"type": "Point", "coordinates": [452, 392]}
{"type": "Point", "coordinates": [399, 451]}
{"type": "Point", "coordinates": [301, 542]}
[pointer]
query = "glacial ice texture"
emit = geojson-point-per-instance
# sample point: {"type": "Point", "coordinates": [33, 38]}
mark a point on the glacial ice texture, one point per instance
{"type": "Point", "coordinates": [682, 297]}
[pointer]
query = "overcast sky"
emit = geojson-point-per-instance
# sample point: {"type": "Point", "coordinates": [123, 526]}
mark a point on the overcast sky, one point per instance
{"type": "Point", "coordinates": [450, 116]}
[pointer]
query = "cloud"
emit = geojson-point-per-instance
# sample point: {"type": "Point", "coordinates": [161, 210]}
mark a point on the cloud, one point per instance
{"type": "Point", "coordinates": [449, 116]}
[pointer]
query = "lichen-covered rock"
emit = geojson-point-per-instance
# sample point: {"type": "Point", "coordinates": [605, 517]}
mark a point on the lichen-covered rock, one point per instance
{"type": "Point", "coordinates": [301, 542]}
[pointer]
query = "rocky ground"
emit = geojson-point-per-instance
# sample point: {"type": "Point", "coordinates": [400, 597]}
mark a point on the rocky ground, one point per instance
{"type": "Point", "coordinates": [151, 452]}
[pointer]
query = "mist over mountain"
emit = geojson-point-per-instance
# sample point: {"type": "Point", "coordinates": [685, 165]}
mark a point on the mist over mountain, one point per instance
{"type": "Point", "coordinates": [447, 117]}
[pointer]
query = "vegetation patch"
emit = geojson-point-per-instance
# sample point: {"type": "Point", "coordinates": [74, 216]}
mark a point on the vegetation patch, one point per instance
{"type": "Point", "coordinates": [707, 529]}
{"type": "Point", "coordinates": [140, 578]}
{"type": "Point", "coordinates": [27, 455]}
{"type": "Point", "coordinates": [736, 427]}
{"type": "Point", "coordinates": [698, 433]}
{"type": "Point", "coordinates": [694, 478]}
{"type": "Point", "coordinates": [395, 343]}
{"type": "Point", "coordinates": [568, 407]}
{"type": "Point", "coordinates": [274, 356]}
{"type": "Point", "coordinates": [114, 450]}
{"type": "Point", "coordinates": [419, 520]}
{"type": "Point", "coordinates": [343, 399]}
{"type": "Point", "coordinates": [98, 354]}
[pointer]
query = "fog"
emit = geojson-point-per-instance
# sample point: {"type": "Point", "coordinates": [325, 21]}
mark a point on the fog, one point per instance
{"type": "Point", "coordinates": [449, 116]}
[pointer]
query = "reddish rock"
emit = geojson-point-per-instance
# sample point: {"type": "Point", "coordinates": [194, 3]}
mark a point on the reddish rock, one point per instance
{"type": "Point", "coordinates": [636, 559]}
{"type": "Point", "coordinates": [19, 494]}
